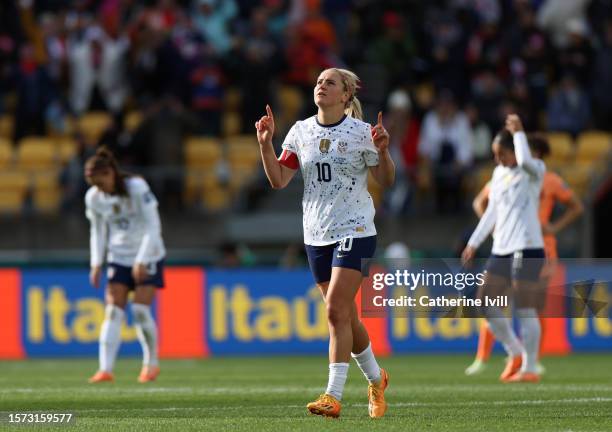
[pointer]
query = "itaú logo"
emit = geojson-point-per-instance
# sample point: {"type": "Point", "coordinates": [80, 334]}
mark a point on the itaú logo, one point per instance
{"type": "Point", "coordinates": [235, 313]}
{"type": "Point", "coordinates": [53, 316]}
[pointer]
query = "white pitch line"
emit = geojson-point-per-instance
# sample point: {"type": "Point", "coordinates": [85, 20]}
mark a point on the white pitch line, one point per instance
{"type": "Point", "coordinates": [395, 405]}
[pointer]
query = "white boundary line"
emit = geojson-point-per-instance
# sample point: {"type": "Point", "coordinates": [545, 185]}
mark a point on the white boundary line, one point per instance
{"type": "Point", "coordinates": [396, 405]}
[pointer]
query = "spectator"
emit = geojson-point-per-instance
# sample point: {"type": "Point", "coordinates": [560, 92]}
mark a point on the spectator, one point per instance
{"type": "Point", "coordinates": [445, 147]}
{"type": "Point", "coordinates": [98, 77]}
{"type": "Point", "coordinates": [9, 49]}
{"type": "Point", "coordinates": [159, 142]}
{"type": "Point", "coordinates": [119, 141]}
{"type": "Point", "coordinates": [481, 144]}
{"type": "Point", "coordinates": [485, 48]}
{"type": "Point", "coordinates": [447, 47]}
{"type": "Point", "coordinates": [487, 95]}
{"type": "Point", "coordinates": [576, 57]}
{"type": "Point", "coordinates": [403, 133]}
{"type": "Point", "coordinates": [34, 94]}
{"type": "Point", "coordinates": [530, 54]}
{"type": "Point", "coordinates": [523, 103]}
{"type": "Point", "coordinates": [72, 179]}
{"type": "Point", "coordinates": [394, 49]}
{"type": "Point", "coordinates": [554, 15]}
{"type": "Point", "coordinates": [260, 61]}
{"type": "Point", "coordinates": [601, 83]}
{"type": "Point", "coordinates": [212, 19]}
{"type": "Point", "coordinates": [568, 109]}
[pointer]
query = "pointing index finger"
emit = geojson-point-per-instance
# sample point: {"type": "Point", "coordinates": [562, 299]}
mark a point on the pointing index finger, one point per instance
{"type": "Point", "coordinates": [269, 111]}
{"type": "Point", "coordinates": [379, 118]}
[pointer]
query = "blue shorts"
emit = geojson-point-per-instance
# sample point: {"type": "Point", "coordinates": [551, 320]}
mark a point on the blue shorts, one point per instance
{"type": "Point", "coordinates": [122, 274]}
{"type": "Point", "coordinates": [524, 265]}
{"type": "Point", "coordinates": [346, 253]}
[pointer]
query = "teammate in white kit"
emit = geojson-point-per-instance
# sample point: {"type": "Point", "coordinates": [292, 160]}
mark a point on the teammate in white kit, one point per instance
{"type": "Point", "coordinates": [517, 256]}
{"type": "Point", "coordinates": [126, 233]}
{"type": "Point", "coordinates": [335, 150]}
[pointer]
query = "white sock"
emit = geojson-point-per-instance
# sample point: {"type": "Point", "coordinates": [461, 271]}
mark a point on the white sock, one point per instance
{"type": "Point", "coordinates": [147, 333]}
{"type": "Point", "coordinates": [530, 334]}
{"type": "Point", "coordinates": [110, 337]}
{"type": "Point", "coordinates": [368, 364]}
{"type": "Point", "coordinates": [337, 377]}
{"type": "Point", "coordinates": [503, 331]}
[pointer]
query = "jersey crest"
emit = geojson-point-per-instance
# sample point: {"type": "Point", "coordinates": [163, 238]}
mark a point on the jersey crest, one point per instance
{"type": "Point", "coordinates": [324, 145]}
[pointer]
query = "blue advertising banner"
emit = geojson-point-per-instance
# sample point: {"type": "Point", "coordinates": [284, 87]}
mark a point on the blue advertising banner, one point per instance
{"type": "Point", "coordinates": [265, 312]}
{"type": "Point", "coordinates": [62, 315]}
{"type": "Point", "coordinates": [268, 312]}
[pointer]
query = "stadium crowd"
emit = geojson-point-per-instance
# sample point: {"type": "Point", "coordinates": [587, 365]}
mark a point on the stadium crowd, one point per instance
{"type": "Point", "coordinates": [445, 72]}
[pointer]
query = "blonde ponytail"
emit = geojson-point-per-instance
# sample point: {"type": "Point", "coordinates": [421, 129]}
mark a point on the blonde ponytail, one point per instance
{"type": "Point", "coordinates": [354, 109]}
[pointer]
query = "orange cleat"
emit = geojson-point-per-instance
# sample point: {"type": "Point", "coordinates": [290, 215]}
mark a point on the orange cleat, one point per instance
{"type": "Point", "coordinates": [376, 396]}
{"type": "Point", "coordinates": [524, 377]}
{"type": "Point", "coordinates": [326, 406]}
{"type": "Point", "coordinates": [101, 376]}
{"type": "Point", "coordinates": [148, 374]}
{"type": "Point", "coordinates": [513, 365]}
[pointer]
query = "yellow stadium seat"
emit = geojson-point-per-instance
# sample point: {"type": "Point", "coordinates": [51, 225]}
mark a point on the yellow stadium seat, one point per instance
{"type": "Point", "coordinates": [244, 159]}
{"type": "Point", "coordinates": [232, 99]}
{"type": "Point", "coordinates": [7, 122]}
{"type": "Point", "coordinates": [578, 176]}
{"type": "Point", "coordinates": [93, 124]}
{"type": "Point", "coordinates": [561, 146]}
{"type": "Point", "coordinates": [6, 152]}
{"type": "Point", "coordinates": [555, 165]}
{"type": "Point", "coordinates": [66, 149]}
{"type": "Point", "coordinates": [47, 201]}
{"type": "Point", "coordinates": [45, 180]}
{"type": "Point", "coordinates": [593, 146]}
{"type": "Point", "coordinates": [231, 123]}
{"type": "Point", "coordinates": [192, 185]}
{"type": "Point", "coordinates": [216, 198]}
{"type": "Point", "coordinates": [202, 152]}
{"type": "Point", "coordinates": [133, 120]}
{"type": "Point", "coordinates": [34, 153]}
{"type": "Point", "coordinates": [13, 189]}
{"type": "Point", "coordinates": [290, 100]}
{"type": "Point", "coordinates": [243, 149]}
{"type": "Point", "coordinates": [195, 182]}
{"type": "Point", "coordinates": [241, 176]}
{"type": "Point", "coordinates": [46, 191]}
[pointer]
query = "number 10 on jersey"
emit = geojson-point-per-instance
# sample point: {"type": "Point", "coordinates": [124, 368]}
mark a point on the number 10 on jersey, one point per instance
{"type": "Point", "coordinates": [323, 171]}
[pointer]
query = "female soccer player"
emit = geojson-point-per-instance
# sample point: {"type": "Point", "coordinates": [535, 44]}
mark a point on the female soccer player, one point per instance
{"type": "Point", "coordinates": [554, 191]}
{"type": "Point", "coordinates": [517, 255]}
{"type": "Point", "coordinates": [335, 150]}
{"type": "Point", "coordinates": [125, 229]}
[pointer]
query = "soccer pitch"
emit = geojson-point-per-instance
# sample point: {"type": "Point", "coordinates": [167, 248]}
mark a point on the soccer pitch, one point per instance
{"type": "Point", "coordinates": [426, 393]}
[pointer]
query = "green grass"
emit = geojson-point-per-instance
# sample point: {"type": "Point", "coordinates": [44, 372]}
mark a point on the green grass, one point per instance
{"type": "Point", "coordinates": [426, 393]}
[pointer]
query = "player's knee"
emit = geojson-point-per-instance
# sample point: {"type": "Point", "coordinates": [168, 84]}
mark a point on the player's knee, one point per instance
{"type": "Point", "coordinates": [140, 312]}
{"type": "Point", "coordinates": [112, 311]}
{"type": "Point", "coordinates": [338, 314]}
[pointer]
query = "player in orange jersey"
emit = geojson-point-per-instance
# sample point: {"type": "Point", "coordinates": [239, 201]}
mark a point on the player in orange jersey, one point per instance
{"type": "Point", "coordinates": [554, 190]}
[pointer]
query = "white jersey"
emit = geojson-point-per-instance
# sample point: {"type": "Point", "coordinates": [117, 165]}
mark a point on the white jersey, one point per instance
{"type": "Point", "coordinates": [334, 161]}
{"type": "Point", "coordinates": [514, 200]}
{"type": "Point", "coordinates": [126, 228]}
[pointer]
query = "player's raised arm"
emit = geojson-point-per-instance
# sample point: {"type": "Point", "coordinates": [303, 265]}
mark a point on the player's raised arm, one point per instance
{"type": "Point", "coordinates": [279, 174]}
{"type": "Point", "coordinates": [521, 147]}
{"type": "Point", "coordinates": [384, 172]}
